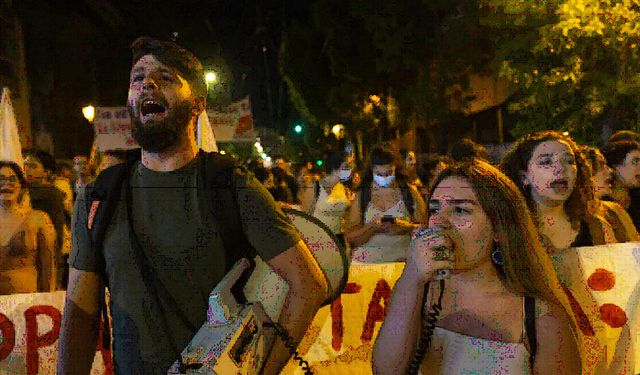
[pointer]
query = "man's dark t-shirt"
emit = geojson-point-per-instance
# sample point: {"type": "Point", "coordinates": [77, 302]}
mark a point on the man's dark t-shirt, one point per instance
{"type": "Point", "coordinates": [184, 246]}
{"type": "Point", "coordinates": [50, 199]}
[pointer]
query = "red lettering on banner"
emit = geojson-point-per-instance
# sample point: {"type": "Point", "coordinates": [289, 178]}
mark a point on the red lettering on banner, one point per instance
{"type": "Point", "coordinates": [33, 340]}
{"type": "Point", "coordinates": [8, 337]}
{"type": "Point", "coordinates": [105, 352]}
{"type": "Point", "coordinates": [337, 327]}
{"type": "Point", "coordinates": [376, 312]}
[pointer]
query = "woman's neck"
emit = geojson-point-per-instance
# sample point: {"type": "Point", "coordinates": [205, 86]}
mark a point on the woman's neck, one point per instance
{"type": "Point", "coordinates": [484, 276]}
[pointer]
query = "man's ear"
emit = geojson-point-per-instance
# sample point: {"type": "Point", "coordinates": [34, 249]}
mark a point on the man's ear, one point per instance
{"type": "Point", "coordinates": [199, 105]}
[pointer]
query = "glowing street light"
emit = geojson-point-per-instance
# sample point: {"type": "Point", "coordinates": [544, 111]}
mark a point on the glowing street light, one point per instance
{"type": "Point", "coordinates": [211, 77]}
{"type": "Point", "coordinates": [89, 112]}
{"type": "Point", "coordinates": [337, 130]}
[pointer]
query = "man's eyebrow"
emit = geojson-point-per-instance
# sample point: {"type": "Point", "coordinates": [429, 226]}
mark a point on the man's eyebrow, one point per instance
{"type": "Point", "coordinates": [454, 201]}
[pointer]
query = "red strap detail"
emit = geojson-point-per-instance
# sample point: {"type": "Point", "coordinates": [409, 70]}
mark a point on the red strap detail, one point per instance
{"type": "Point", "coordinates": [92, 213]}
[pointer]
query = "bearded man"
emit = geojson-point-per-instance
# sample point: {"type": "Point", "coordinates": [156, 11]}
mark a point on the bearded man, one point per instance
{"type": "Point", "coordinates": [183, 245]}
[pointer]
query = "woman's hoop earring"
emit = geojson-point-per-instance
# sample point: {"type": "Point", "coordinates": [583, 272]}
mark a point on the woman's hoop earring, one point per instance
{"type": "Point", "coordinates": [496, 256]}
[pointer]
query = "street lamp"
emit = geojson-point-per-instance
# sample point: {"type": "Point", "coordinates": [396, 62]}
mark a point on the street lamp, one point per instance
{"type": "Point", "coordinates": [337, 130]}
{"type": "Point", "coordinates": [89, 112]}
{"type": "Point", "coordinates": [210, 77]}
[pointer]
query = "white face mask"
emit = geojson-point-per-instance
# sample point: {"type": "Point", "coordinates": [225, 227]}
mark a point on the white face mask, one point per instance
{"type": "Point", "coordinates": [345, 174]}
{"type": "Point", "coordinates": [383, 181]}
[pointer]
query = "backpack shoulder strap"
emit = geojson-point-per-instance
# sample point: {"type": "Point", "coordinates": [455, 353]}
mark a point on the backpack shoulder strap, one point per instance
{"type": "Point", "coordinates": [102, 198]}
{"type": "Point", "coordinates": [220, 193]}
{"type": "Point", "coordinates": [219, 173]}
{"type": "Point", "coordinates": [530, 327]}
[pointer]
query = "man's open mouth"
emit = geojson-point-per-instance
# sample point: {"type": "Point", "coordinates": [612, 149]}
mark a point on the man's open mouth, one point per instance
{"type": "Point", "coordinates": [152, 108]}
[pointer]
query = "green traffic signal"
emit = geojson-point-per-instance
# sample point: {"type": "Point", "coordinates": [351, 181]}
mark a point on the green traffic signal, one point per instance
{"type": "Point", "coordinates": [319, 163]}
{"type": "Point", "coordinates": [297, 128]}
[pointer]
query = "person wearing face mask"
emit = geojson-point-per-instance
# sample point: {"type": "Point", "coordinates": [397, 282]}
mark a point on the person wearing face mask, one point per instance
{"type": "Point", "coordinates": [330, 198]}
{"type": "Point", "coordinates": [385, 211]}
{"type": "Point", "coordinates": [613, 213]}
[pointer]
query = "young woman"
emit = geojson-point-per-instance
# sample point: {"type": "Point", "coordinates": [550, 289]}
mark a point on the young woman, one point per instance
{"type": "Point", "coordinates": [502, 311]}
{"type": "Point", "coordinates": [384, 212]}
{"type": "Point", "coordinates": [27, 238]}
{"type": "Point", "coordinates": [330, 199]}
{"type": "Point", "coordinates": [554, 178]}
{"type": "Point", "coordinates": [613, 213]}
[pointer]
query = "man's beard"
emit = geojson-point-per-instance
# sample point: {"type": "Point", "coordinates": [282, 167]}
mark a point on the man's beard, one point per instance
{"type": "Point", "coordinates": [158, 136]}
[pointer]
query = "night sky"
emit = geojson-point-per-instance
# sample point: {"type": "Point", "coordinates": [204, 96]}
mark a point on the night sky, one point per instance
{"type": "Point", "coordinates": [77, 53]}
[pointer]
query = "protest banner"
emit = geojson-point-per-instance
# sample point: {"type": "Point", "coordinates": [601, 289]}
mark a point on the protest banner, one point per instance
{"type": "Point", "coordinates": [604, 281]}
{"type": "Point", "coordinates": [112, 126]}
{"type": "Point", "coordinates": [233, 123]}
{"type": "Point", "coordinates": [29, 328]}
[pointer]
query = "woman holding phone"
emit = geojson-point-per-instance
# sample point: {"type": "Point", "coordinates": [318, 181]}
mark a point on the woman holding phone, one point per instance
{"type": "Point", "coordinates": [385, 211]}
{"type": "Point", "coordinates": [502, 297]}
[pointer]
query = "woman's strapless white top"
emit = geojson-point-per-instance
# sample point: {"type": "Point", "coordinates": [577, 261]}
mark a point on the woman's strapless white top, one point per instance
{"type": "Point", "coordinates": [383, 247]}
{"type": "Point", "coordinates": [452, 353]}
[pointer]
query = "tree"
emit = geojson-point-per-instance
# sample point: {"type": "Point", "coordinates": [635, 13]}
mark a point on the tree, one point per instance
{"type": "Point", "coordinates": [406, 53]}
{"type": "Point", "coordinates": [575, 63]}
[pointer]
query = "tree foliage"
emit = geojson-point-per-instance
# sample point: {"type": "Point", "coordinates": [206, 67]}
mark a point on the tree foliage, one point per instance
{"type": "Point", "coordinates": [575, 62]}
{"type": "Point", "coordinates": [405, 52]}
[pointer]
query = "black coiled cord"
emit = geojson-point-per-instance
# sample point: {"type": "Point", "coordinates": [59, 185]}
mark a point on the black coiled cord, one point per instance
{"type": "Point", "coordinates": [428, 326]}
{"type": "Point", "coordinates": [290, 344]}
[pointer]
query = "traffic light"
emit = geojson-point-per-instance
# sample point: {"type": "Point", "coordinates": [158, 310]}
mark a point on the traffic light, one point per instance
{"type": "Point", "coordinates": [298, 127]}
{"type": "Point", "coordinates": [319, 163]}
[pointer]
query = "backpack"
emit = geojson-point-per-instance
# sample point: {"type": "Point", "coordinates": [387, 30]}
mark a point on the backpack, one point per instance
{"type": "Point", "coordinates": [219, 194]}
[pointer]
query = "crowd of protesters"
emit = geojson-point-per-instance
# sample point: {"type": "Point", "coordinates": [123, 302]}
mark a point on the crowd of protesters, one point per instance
{"type": "Point", "coordinates": [494, 225]}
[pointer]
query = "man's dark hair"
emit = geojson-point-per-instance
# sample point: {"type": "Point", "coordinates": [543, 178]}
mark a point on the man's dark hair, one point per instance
{"type": "Point", "coordinates": [616, 152]}
{"type": "Point", "coordinates": [467, 149]}
{"type": "Point", "coordinates": [624, 135]}
{"type": "Point", "coordinates": [174, 56]}
{"type": "Point", "coordinates": [47, 160]}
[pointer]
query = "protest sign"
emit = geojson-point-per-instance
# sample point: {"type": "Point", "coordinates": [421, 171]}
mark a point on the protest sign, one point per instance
{"type": "Point", "coordinates": [112, 126]}
{"type": "Point", "coordinates": [233, 123]}
{"type": "Point", "coordinates": [29, 328]}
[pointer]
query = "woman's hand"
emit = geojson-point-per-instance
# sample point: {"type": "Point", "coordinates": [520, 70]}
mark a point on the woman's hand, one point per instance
{"type": "Point", "coordinates": [429, 251]}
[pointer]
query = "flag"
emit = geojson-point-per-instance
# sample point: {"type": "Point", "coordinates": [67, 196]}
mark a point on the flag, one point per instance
{"type": "Point", "coordinates": [10, 147]}
{"type": "Point", "coordinates": [206, 140]}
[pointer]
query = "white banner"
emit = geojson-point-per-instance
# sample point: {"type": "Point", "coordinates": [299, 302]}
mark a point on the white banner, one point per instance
{"type": "Point", "coordinates": [233, 123]}
{"type": "Point", "coordinates": [604, 281]}
{"type": "Point", "coordinates": [112, 126]}
{"type": "Point", "coordinates": [29, 329]}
